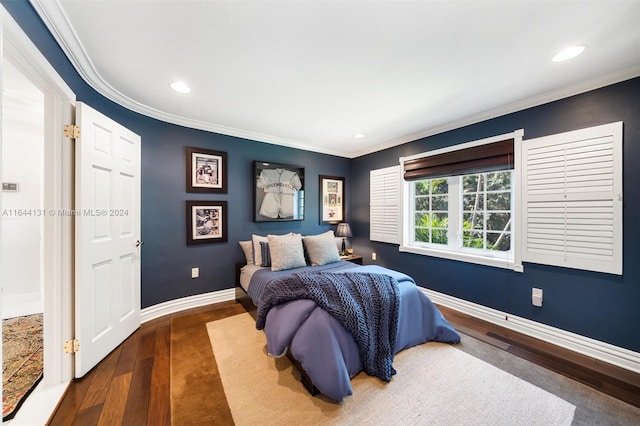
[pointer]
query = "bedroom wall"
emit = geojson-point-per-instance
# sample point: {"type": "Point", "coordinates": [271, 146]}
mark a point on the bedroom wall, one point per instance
{"type": "Point", "coordinates": [596, 305]}
{"type": "Point", "coordinates": [600, 306]}
{"type": "Point", "coordinates": [166, 260]}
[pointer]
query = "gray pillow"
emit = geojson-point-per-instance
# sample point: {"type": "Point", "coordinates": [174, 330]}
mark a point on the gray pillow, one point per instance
{"type": "Point", "coordinates": [286, 252]}
{"type": "Point", "coordinates": [247, 248]}
{"type": "Point", "coordinates": [321, 248]}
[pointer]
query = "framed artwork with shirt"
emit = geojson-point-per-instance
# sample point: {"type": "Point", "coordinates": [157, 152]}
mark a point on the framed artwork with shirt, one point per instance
{"type": "Point", "coordinates": [278, 192]}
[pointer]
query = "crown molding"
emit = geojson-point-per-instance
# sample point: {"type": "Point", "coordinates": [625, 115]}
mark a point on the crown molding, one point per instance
{"type": "Point", "coordinates": [57, 22]}
{"type": "Point", "coordinates": [551, 96]}
{"type": "Point", "coordinates": [52, 14]}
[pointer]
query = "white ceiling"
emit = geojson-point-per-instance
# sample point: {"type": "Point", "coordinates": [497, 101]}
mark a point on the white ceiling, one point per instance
{"type": "Point", "coordinates": [312, 73]}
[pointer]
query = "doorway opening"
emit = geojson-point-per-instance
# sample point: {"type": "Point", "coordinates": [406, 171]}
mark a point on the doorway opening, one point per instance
{"type": "Point", "coordinates": [23, 217]}
{"type": "Point", "coordinates": [52, 166]}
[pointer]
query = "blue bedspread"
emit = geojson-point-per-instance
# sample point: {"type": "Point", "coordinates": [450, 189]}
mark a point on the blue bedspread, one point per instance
{"type": "Point", "coordinates": [325, 349]}
{"type": "Point", "coordinates": [365, 304]}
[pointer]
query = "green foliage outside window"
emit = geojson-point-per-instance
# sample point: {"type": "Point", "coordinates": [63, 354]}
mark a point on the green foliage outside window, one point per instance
{"type": "Point", "coordinates": [431, 211]}
{"type": "Point", "coordinates": [486, 218]}
{"type": "Point", "coordinates": [486, 211]}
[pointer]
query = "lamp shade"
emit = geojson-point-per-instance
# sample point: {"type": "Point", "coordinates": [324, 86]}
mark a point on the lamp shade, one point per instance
{"type": "Point", "coordinates": [344, 230]}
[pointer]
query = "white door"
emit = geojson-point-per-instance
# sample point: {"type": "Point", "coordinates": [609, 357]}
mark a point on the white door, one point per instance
{"type": "Point", "coordinates": [107, 279]}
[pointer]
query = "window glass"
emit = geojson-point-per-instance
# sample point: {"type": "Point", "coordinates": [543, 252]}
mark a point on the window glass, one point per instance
{"type": "Point", "coordinates": [431, 211]}
{"type": "Point", "coordinates": [481, 220]}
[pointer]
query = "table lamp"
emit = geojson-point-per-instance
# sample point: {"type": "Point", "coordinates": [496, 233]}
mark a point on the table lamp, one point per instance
{"type": "Point", "coordinates": [343, 231]}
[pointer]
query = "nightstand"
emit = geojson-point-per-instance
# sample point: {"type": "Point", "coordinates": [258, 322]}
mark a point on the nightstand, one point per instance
{"type": "Point", "coordinates": [352, 258]}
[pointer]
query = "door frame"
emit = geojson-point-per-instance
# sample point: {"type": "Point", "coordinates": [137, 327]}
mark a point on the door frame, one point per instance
{"type": "Point", "coordinates": [58, 199]}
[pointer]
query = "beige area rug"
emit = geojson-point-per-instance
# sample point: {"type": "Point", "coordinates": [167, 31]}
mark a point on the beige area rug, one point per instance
{"type": "Point", "coordinates": [435, 384]}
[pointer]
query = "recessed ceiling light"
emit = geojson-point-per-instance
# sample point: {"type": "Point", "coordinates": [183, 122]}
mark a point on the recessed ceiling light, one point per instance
{"type": "Point", "coordinates": [568, 53]}
{"type": "Point", "coordinates": [358, 136]}
{"type": "Point", "coordinates": [180, 87]}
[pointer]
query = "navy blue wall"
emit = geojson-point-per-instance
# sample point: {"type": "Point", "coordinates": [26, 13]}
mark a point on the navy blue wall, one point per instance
{"type": "Point", "coordinates": [600, 306]}
{"type": "Point", "coordinates": [166, 259]}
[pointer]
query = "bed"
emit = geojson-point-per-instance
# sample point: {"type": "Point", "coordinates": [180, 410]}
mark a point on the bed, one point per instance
{"type": "Point", "coordinates": [329, 349]}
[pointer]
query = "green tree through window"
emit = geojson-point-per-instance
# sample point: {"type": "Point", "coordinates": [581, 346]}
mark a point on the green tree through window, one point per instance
{"type": "Point", "coordinates": [484, 213]}
{"type": "Point", "coordinates": [431, 211]}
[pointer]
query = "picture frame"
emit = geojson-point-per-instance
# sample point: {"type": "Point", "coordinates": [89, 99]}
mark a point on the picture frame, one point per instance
{"type": "Point", "coordinates": [206, 222]}
{"type": "Point", "coordinates": [278, 192]}
{"type": "Point", "coordinates": [332, 202]}
{"type": "Point", "coordinates": [206, 170]}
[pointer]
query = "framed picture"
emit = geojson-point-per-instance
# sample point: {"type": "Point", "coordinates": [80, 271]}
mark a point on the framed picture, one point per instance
{"type": "Point", "coordinates": [206, 170]}
{"type": "Point", "coordinates": [278, 192]}
{"type": "Point", "coordinates": [331, 199]}
{"type": "Point", "coordinates": [206, 222]}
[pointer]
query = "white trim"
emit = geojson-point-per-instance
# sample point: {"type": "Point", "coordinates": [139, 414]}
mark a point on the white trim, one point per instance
{"type": "Point", "coordinates": [599, 350]}
{"type": "Point", "coordinates": [15, 305]}
{"type": "Point", "coordinates": [40, 405]}
{"type": "Point", "coordinates": [55, 19]}
{"type": "Point", "coordinates": [59, 99]}
{"type": "Point", "coordinates": [461, 256]}
{"type": "Point", "coordinates": [552, 96]}
{"type": "Point", "coordinates": [51, 12]}
{"type": "Point", "coordinates": [177, 305]}
{"type": "Point", "coordinates": [497, 259]}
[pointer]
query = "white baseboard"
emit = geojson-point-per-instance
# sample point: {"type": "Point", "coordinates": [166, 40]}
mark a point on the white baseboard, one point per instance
{"type": "Point", "coordinates": [173, 306]}
{"type": "Point", "coordinates": [16, 305]}
{"type": "Point", "coordinates": [596, 349]}
{"type": "Point", "coordinates": [602, 351]}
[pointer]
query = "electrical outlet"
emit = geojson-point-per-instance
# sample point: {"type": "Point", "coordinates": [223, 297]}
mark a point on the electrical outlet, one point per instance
{"type": "Point", "coordinates": [536, 297]}
{"type": "Point", "coordinates": [195, 272]}
{"type": "Point", "coordinates": [373, 256]}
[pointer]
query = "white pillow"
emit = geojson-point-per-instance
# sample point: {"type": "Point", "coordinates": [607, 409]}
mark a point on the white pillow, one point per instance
{"type": "Point", "coordinates": [257, 251]}
{"type": "Point", "coordinates": [247, 248]}
{"type": "Point", "coordinates": [286, 252]}
{"type": "Point", "coordinates": [321, 248]}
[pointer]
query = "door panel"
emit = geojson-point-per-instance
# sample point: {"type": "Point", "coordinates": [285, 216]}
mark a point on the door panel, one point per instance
{"type": "Point", "coordinates": [107, 293]}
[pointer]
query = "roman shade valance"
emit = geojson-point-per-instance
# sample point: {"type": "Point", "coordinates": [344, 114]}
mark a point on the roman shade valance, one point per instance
{"type": "Point", "coordinates": [477, 159]}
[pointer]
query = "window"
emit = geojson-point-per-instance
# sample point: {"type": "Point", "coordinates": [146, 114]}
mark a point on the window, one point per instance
{"type": "Point", "coordinates": [459, 202]}
{"type": "Point", "coordinates": [560, 204]}
{"type": "Point", "coordinates": [467, 214]}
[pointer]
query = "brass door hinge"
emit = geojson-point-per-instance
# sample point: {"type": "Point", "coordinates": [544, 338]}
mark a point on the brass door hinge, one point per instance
{"type": "Point", "coordinates": [71, 346]}
{"type": "Point", "coordinates": [71, 131]}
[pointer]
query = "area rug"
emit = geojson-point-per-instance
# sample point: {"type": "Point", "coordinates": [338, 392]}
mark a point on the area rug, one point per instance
{"type": "Point", "coordinates": [21, 360]}
{"type": "Point", "coordinates": [435, 384]}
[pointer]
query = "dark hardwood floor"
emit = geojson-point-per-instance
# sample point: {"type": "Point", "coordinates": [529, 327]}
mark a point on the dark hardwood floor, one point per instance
{"type": "Point", "coordinates": [131, 385]}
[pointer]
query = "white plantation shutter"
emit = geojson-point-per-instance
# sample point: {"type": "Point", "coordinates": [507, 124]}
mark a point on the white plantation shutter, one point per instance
{"type": "Point", "coordinates": [572, 199]}
{"type": "Point", "coordinates": [384, 196]}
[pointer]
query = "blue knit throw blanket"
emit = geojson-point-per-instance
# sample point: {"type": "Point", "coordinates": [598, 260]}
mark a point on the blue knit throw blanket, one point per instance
{"type": "Point", "coordinates": [365, 304]}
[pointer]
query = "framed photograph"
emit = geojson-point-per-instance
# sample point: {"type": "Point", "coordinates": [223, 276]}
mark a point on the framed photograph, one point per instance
{"type": "Point", "coordinates": [331, 199]}
{"type": "Point", "coordinates": [206, 222]}
{"type": "Point", "coordinates": [206, 170]}
{"type": "Point", "coordinates": [278, 192]}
